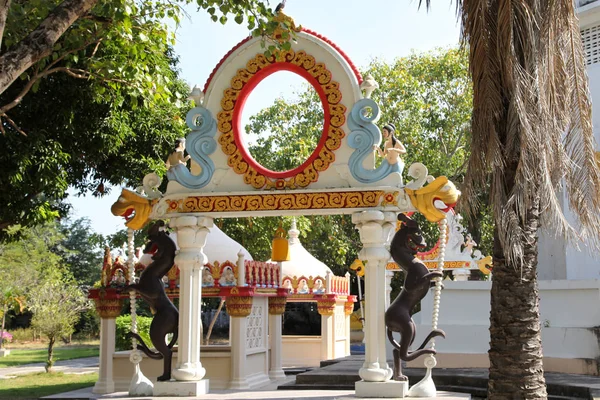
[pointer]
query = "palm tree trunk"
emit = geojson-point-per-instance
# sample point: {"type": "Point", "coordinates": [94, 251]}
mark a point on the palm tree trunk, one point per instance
{"type": "Point", "coordinates": [516, 369]}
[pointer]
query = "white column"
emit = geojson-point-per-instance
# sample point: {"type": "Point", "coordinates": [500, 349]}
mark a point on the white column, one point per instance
{"type": "Point", "coordinates": [191, 238]}
{"type": "Point", "coordinates": [238, 352]}
{"type": "Point", "coordinates": [276, 309]}
{"type": "Point", "coordinates": [374, 227]}
{"type": "Point", "coordinates": [105, 383]}
{"type": "Point", "coordinates": [388, 288]}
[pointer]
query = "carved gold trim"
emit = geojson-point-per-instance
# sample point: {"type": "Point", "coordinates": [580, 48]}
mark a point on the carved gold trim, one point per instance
{"type": "Point", "coordinates": [326, 307]}
{"type": "Point", "coordinates": [109, 308]}
{"type": "Point", "coordinates": [337, 118]}
{"type": "Point", "coordinates": [277, 201]}
{"type": "Point", "coordinates": [348, 308]}
{"type": "Point", "coordinates": [277, 305]}
{"type": "Point", "coordinates": [239, 306]}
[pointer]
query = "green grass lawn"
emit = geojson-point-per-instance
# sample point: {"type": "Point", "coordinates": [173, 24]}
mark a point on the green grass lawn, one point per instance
{"type": "Point", "coordinates": [38, 385]}
{"type": "Point", "coordinates": [20, 357]}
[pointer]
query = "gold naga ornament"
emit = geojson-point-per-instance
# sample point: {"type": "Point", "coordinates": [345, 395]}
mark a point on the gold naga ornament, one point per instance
{"type": "Point", "coordinates": [134, 207]}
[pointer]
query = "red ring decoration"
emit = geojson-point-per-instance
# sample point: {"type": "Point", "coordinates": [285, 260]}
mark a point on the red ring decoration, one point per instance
{"type": "Point", "coordinates": [232, 103]}
{"type": "Point", "coordinates": [241, 101]}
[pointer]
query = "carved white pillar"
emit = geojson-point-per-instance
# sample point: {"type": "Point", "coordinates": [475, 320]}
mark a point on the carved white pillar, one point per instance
{"type": "Point", "coordinates": [374, 228]}
{"type": "Point", "coordinates": [105, 383]}
{"type": "Point", "coordinates": [192, 233]}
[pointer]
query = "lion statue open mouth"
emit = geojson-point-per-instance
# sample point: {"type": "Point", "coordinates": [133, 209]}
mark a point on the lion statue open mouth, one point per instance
{"type": "Point", "coordinates": [134, 207]}
{"type": "Point", "coordinates": [429, 198]}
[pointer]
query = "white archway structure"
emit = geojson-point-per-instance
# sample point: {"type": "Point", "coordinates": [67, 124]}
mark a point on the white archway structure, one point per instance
{"type": "Point", "coordinates": [224, 181]}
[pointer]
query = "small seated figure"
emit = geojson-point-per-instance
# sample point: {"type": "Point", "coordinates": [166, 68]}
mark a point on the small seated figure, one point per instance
{"type": "Point", "coordinates": [176, 157]}
{"type": "Point", "coordinates": [287, 284]}
{"type": "Point", "coordinates": [303, 287]}
{"type": "Point", "coordinates": [207, 279]}
{"type": "Point", "coordinates": [228, 278]}
{"type": "Point", "coordinates": [393, 149]}
{"type": "Point", "coordinates": [318, 287]}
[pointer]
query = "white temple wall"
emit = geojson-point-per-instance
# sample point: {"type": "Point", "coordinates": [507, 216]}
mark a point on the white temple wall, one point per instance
{"type": "Point", "coordinates": [568, 313]}
{"type": "Point", "coordinates": [216, 360]}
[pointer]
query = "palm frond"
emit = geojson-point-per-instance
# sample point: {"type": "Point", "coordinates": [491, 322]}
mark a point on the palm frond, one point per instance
{"type": "Point", "coordinates": [531, 121]}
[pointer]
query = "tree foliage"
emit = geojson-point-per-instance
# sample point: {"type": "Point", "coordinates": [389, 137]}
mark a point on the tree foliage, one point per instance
{"type": "Point", "coordinates": [32, 270]}
{"type": "Point", "coordinates": [115, 43]}
{"type": "Point", "coordinates": [81, 251]}
{"type": "Point", "coordinates": [56, 304]}
{"type": "Point", "coordinates": [113, 124]}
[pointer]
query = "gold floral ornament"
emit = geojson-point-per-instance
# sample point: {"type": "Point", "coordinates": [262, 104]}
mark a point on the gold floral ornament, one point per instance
{"type": "Point", "coordinates": [441, 189]}
{"type": "Point", "coordinates": [285, 25]}
{"type": "Point", "coordinates": [134, 207]}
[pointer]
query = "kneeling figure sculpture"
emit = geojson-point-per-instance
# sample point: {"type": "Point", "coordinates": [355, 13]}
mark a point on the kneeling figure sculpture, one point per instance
{"type": "Point", "coordinates": [152, 289]}
{"type": "Point", "coordinates": [417, 281]}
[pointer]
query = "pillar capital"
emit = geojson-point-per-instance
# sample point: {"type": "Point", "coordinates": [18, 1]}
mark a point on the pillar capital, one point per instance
{"type": "Point", "coordinates": [326, 305]}
{"type": "Point", "coordinates": [108, 308]}
{"type": "Point", "coordinates": [239, 306]}
{"type": "Point", "coordinates": [277, 305]}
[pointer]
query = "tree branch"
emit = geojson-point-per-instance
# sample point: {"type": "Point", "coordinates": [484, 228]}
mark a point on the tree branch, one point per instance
{"type": "Point", "coordinates": [40, 41]}
{"type": "Point", "coordinates": [37, 76]}
{"type": "Point", "coordinates": [4, 9]}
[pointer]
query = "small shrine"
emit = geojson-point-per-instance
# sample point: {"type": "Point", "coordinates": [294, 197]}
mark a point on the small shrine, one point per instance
{"type": "Point", "coordinates": [311, 281]}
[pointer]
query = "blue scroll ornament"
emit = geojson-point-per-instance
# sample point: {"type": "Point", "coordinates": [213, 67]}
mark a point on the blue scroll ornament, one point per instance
{"type": "Point", "coordinates": [199, 145]}
{"type": "Point", "coordinates": [363, 135]}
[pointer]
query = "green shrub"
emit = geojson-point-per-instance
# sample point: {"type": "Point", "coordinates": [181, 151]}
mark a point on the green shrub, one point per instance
{"type": "Point", "coordinates": [24, 335]}
{"type": "Point", "coordinates": [122, 342]}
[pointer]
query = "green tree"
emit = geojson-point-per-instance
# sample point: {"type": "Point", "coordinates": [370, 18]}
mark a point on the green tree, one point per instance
{"type": "Point", "coordinates": [82, 250]}
{"type": "Point", "coordinates": [41, 38]}
{"type": "Point", "coordinates": [77, 139]}
{"type": "Point", "coordinates": [20, 265]}
{"type": "Point", "coordinates": [56, 303]}
{"type": "Point", "coordinates": [427, 96]}
{"type": "Point", "coordinates": [531, 133]}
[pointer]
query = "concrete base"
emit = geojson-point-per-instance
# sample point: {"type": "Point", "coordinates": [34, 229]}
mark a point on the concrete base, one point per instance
{"type": "Point", "coordinates": [181, 388]}
{"type": "Point", "coordinates": [389, 389]}
{"type": "Point", "coordinates": [4, 352]}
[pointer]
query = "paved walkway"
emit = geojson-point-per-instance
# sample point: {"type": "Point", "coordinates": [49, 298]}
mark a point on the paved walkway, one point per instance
{"type": "Point", "coordinates": [77, 366]}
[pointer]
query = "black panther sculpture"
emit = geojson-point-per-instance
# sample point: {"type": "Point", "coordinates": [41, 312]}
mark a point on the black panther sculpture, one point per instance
{"type": "Point", "coordinates": [417, 281]}
{"type": "Point", "coordinates": [152, 289]}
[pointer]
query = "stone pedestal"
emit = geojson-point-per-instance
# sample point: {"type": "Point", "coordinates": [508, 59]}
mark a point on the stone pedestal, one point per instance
{"type": "Point", "coordinates": [389, 389]}
{"type": "Point", "coordinates": [191, 238]}
{"type": "Point", "coordinates": [181, 388]}
{"type": "Point", "coordinates": [374, 228]}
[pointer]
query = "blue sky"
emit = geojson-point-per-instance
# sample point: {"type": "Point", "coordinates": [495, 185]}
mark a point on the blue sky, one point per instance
{"type": "Point", "coordinates": [383, 29]}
